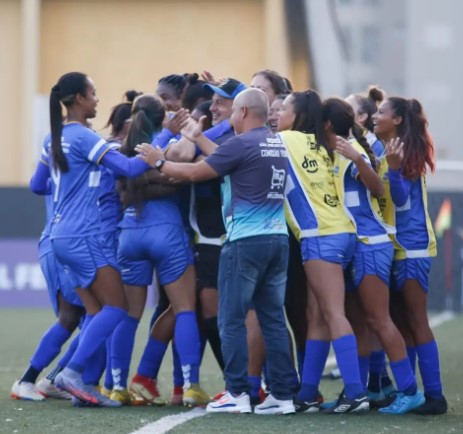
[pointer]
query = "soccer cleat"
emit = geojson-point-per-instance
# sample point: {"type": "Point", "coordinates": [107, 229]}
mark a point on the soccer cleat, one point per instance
{"type": "Point", "coordinates": [102, 401]}
{"type": "Point", "coordinates": [76, 402]}
{"type": "Point", "coordinates": [307, 407]}
{"type": "Point", "coordinates": [177, 396]}
{"type": "Point", "coordinates": [432, 406]}
{"type": "Point", "coordinates": [403, 403]}
{"type": "Point", "coordinates": [329, 404]}
{"type": "Point", "coordinates": [379, 400]}
{"type": "Point", "coordinates": [389, 391]}
{"type": "Point", "coordinates": [272, 405]}
{"type": "Point", "coordinates": [147, 389]}
{"type": "Point", "coordinates": [26, 391]}
{"type": "Point", "coordinates": [194, 396]}
{"type": "Point", "coordinates": [71, 381]}
{"type": "Point", "coordinates": [230, 404]}
{"type": "Point", "coordinates": [346, 405]}
{"type": "Point", "coordinates": [104, 391]}
{"type": "Point", "coordinates": [48, 389]}
{"type": "Point", "coordinates": [126, 398]}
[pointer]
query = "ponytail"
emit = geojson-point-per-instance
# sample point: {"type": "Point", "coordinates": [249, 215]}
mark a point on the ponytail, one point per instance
{"type": "Point", "coordinates": [147, 116]}
{"type": "Point", "coordinates": [141, 131]}
{"type": "Point", "coordinates": [64, 92]}
{"type": "Point", "coordinates": [56, 128]}
{"type": "Point", "coordinates": [357, 132]}
{"type": "Point", "coordinates": [413, 132]}
{"type": "Point", "coordinates": [308, 115]}
{"type": "Point", "coordinates": [342, 118]}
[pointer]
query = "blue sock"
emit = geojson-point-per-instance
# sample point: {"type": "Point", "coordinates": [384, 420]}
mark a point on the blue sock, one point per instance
{"type": "Point", "coordinates": [84, 322]}
{"type": "Point", "coordinates": [345, 349]}
{"type": "Point", "coordinates": [411, 351]}
{"type": "Point", "coordinates": [177, 373]}
{"type": "Point", "coordinates": [188, 345]}
{"type": "Point", "coordinates": [95, 366]}
{"type": "Point", "coordinates": [122, 342]}
{"type": "Point", "coordinates": [95, 334]}
{"type": "Point", "coordinates": [108, 378]}
{"type": "Point", "coordinates": [316, 353]}
{"type": "Point", "coordinates": [364, 366]}
{"type": "Point", "coordinates": [69, 352]}
{"type": "Point", "coordinates": [254, 383]}
{"type": "Point", "coordinates": [152, 358]}
{"type": "Point", "coordinates": [377, 364]}
{"type": "Point", "coordinates": [428, 362]}
{"type": "Point", "coordinates": [404, 377]}
{"type": "Point", "coordinates": [49, 346]}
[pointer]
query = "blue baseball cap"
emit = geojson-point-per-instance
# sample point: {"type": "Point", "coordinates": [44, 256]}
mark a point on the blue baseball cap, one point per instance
{"type": "Point", "coordinates": [227, 88]}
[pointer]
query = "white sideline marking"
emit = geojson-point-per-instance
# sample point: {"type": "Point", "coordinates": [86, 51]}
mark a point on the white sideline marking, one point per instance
{"type": "Point", "coordinates": [434, 322]}
{"type": "Point", "coordinates": [166, 423]}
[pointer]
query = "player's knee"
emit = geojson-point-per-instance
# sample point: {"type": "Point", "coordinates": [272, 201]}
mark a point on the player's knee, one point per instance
{"type": "Point", "coordinates": [70, 317]}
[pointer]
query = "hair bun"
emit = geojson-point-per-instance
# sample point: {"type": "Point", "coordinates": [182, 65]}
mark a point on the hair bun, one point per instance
{"type": "Point", "coordinates": [191, 78]}
{"type": "Point", "coordinates": [130, 95]}
{"type": "Point", "coordinates": [376, 94]}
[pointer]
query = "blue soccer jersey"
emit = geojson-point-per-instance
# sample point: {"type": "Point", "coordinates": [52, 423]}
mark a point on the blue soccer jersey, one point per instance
{"type": "Point", "coordinates": [76, 192]}
{"type": "Point", "coordinates": [109, 201]}
{"type": "Point", "coordinates": [376, 145]}
{"type": "Point", "coordinates": [254, 166]}
{"type": "Point", "coordinates": [360, 205]}
{"type": "Point", "coordinates": [415, 235]}
{"type": "Point", "coordinates": [154, 211]}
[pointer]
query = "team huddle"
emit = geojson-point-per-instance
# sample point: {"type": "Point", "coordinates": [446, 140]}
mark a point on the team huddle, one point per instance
{"type": "Point", "coordinates": [253, 209]}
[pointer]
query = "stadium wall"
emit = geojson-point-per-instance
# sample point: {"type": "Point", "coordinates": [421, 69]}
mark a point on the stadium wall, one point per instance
{"type": "Point", "coordinates": [125, 44]}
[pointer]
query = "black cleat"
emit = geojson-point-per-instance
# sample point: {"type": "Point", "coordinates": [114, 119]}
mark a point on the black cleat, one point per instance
{"type": "Point", "coordinates": [307, 407]}
{"type": "Point", "coordinates": [432, 406]}
{"type": "Point", "coordinates": [346, 405]}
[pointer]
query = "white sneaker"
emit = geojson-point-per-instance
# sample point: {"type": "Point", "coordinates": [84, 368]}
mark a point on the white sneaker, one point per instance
{"type": "Point", "coordinates": [272, 405]}
{"type": "Point", "coordinates": [48, 389]}
{"type": "Point", "coordinates": [230, 404]}
{"type": "Point", "coordinates": [26, 391]}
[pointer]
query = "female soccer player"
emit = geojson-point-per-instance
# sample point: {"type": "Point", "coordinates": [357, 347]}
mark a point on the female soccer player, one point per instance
{"type": "Point", "coordinates": [327, 238]}
{"type": "Point", "coordinates": [402, 125]}
{"type": "Point", "coordinates": [152, 236]}
{"type": "Point", "coordinates": [365, 106]}
{"type": "Point", "coordinates": [76, 153]}
{"type": "Point", "coordinates": [358, 185]}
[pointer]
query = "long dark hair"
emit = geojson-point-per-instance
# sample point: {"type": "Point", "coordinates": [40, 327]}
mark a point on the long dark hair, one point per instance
{"type": "Point", "coordinates": [308, 110]}
{"type": "Point", "coordinates": [342, 118]}
{"type": "Point", "coordinates": [64, 92]}
{"type": "Point", "coordinates": [147, 116]}
{"type": "Point", "coordinates": [413, 132]}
